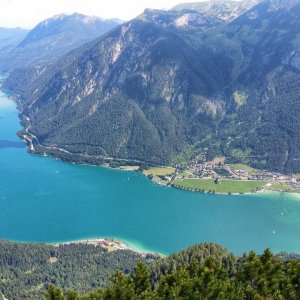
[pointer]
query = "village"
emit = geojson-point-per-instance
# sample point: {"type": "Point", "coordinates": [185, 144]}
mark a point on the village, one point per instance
{"type": "Point", "coordinates": [217, 176]}
{"type": "Point", "coordinates": [217, 168]}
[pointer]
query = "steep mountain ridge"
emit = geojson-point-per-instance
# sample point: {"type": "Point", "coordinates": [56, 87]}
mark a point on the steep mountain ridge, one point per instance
{"type": "Point", "coordinates": [147, 90]}
{"type": "Point", "coordinates": [224, 10]}
{"type": "Point", "coordinates": [108, 77]}
{"type": "Point", "coordinates": [270, 83]}
{"type": "Point", "coordinates": [188, 21]}
{"type": "Point", "coordinates": [58, 24]}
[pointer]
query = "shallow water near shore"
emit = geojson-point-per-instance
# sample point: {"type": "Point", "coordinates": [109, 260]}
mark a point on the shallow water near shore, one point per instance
{"type": "Point", "coordinates": [47, 200]}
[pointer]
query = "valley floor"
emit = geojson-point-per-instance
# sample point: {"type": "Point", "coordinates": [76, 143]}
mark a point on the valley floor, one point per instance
{"type": "Point", "coordinates": [219, 178]}
{"type": "Point", "coordinates": [215, 176]}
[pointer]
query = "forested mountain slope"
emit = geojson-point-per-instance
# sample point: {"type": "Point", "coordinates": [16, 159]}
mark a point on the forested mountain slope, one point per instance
{"type": "Point", "coordinates": [205, 271]}
{"type": "Point", "coordinates": [262, 127]}
{"type": "Point", "coordinates": [206, 277]}
{"type": "Point", "coordinates": [26, 270]}
{"type": "Point", "coordinates": [149, 89]}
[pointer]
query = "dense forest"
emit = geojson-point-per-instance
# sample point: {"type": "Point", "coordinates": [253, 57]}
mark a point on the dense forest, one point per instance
{"type": "Point", "coordinates": [206, 271]}
{"type": "Point", "coordinates": [202, 277]}
{"type": "Point", "coordinates": [26, 270]}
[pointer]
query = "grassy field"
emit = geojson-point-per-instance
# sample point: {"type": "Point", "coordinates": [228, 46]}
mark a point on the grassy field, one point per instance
{"type": "Point", "coordinates": [278, 186]}
{"type": "Point", "coordinates": [247, 168]}
{"type": "Point", "coordinates": [159, 171]}
{"type": "Point", "coordinates": [185, 174]}
{"type": "Point", "coordinates": [224, 186]}
{"type": "Point", "coordinates": [130, 168]}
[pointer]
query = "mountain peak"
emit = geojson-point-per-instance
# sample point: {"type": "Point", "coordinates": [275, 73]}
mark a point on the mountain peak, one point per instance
{"type": "Point", "coordinates": [87, 19]}
{"type": "Point", "coordinates": [187, 20]}
{"type": "Point", "coordinates": [54, 37]}
{"type": "Point", "coordinates": [222, 9]}
{"type": "Point", "coordinates": [64, 23]}
{"type": "Point", "coordinates": [68, 17]}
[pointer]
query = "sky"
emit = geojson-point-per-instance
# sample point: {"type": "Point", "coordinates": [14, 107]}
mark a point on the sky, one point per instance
{"type": "Point", "coordinates": [27, 13]}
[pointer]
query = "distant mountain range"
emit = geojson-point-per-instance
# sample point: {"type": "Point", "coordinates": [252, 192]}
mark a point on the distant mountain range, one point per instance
{"type": "Point", "coordinates": [208, 79]}
{"type": "Point", "coordinates": [53, 38]}
{"type": "Point", "coordinates": [10, 38]}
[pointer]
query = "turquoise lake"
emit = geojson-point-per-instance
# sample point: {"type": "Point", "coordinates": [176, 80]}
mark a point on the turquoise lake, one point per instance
{"type": "Point", "coordinates": [47, 200]}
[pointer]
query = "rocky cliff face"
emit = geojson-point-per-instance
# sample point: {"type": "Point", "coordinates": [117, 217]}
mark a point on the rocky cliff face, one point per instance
{"type": "Point", "coordinates": [184, 20]}
{"type": "Point", "coordinates": [131, 94]}
{"type": "Point", "coordinates": [223, 10]}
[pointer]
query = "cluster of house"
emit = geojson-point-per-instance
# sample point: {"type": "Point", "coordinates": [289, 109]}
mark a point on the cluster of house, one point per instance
{"type": "Point", "coordinates": [203, 169]}
{"type": "Point", "coordinates": [211, 169]}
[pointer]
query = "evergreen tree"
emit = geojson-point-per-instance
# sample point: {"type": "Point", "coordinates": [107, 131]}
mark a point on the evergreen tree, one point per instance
{"type": "Point", "coordinates": [122, 288]}
{"type": "Point", "coordinates": [54, 293]}
{"type": "Point", "coordinates": [71, 295]}
{"type": "Point", "coordinates": [141, 280]}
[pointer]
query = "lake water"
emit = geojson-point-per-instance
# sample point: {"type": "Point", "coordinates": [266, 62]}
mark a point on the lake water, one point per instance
{"type": "Point", "coordinates": [47, 200]}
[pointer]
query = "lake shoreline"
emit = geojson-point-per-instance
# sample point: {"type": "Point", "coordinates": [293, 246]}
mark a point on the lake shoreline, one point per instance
{"type": "Point", "coordinates": [262, 191]}
{"type": "Point", "coordinates": [123, 164]}
{"type": "Point", "coordinates": [58, 153]}
{"type": "Point", "coordinates": [89, 160]}
{"type": "Point", "coordinates": [111, 244]}
{"type": "Point", "coordinates": [51, 192]}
